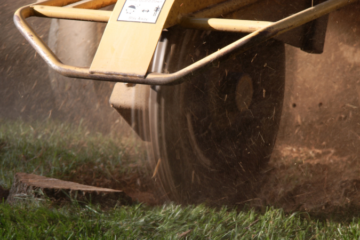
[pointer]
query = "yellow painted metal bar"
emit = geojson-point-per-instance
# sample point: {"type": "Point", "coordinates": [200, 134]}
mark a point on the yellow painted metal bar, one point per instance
{"type": "Point", "coordinates": [72, 13]}
{"type": "Point", "coordinates": [91, 4]}
{"type": "Point", "coordinates": [58, 3]}
{"type": "Point", "coordinates": [40, 47]}
{"type": "Point", "coordinates": [94, 4]}
{"type": "Point", "coordinates": [199, 23]}
{"type": "Point", "coordinates": [242, 44]}
{"type": "Point", "coordinates": [228, 25]}
{"type": "Point", "coordinates": [180, 8]}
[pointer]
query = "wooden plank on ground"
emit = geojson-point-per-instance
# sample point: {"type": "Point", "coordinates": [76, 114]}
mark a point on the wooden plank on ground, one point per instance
{"type": "Point", "coordinates": [30, 186]}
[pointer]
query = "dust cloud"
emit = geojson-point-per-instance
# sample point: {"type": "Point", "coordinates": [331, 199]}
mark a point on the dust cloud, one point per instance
{"type": "Point", "coordinates": [315, 165]}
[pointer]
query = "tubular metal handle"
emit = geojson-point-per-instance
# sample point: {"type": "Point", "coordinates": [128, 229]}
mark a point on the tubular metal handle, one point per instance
{"type": "Point", "coordinates": [265, 32]}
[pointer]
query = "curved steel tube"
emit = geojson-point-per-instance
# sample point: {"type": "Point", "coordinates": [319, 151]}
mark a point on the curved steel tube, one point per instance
{"type": "Point", "coordinates": [244, 43]}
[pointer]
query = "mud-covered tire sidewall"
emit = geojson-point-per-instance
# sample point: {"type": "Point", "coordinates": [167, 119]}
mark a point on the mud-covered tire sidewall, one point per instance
{"type": "Point", "coordinates": [235, 166]}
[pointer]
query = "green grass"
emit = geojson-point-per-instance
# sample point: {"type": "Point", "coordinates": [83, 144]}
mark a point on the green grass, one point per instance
{"type": "Point", "coordinates": [167, 222]}
{"type": "Point", "coordinates": [59, 150]}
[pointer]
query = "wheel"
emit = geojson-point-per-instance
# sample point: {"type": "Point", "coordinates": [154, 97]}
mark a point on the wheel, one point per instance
{"type": "Point", "coordinates": [210, 135]}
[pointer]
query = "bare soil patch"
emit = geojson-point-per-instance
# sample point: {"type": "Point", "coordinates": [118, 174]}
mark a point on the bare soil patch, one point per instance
{"type": "Point", "coordinates": [136, 183]}
{"type": "Point", "coordinates": [312, 180]}
{"type": "Point", "coordinates": [297, 179]}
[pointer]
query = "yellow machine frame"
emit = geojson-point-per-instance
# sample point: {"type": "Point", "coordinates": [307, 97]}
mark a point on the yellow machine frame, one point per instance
{"type": "Point", "coordinates": [190, 14]}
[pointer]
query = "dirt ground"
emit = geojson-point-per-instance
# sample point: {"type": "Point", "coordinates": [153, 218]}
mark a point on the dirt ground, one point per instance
{"type": "Point", "coordinates": [315, 166]}
{"type": "Point", "coordinates": [137, 184]}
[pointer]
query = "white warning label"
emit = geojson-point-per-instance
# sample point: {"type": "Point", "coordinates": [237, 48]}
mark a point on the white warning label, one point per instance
{"type": "Point", "coordinates": [146, 11]}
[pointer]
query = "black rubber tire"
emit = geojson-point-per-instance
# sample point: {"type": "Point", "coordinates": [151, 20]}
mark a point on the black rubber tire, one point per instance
{"type": "Point", "coordinates": [209, 150]}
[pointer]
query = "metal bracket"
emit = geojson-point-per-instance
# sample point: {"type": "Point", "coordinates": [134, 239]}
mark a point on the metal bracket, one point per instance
{"type": "Point", "coordinates": [266, 31]}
